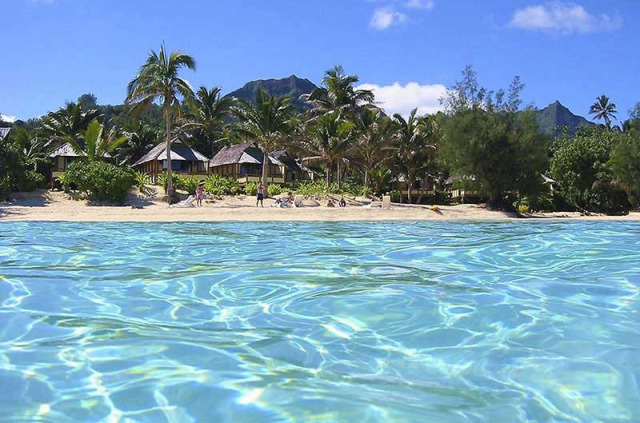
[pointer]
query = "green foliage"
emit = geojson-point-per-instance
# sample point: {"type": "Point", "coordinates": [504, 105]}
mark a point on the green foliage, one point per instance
{"type": "Point", "coordinates": [163, 180]}
{"type": "Point", "coordinates": [142, 182]}
{"type": "Point", "coordinates": [396, 196]}
{"type": "Point", "coordinates": [321, 188]}
{"type": "Point", "coordinates": [502, 151]}
{"type": "Point", "coordinates": [17, 168]}
{"type": "Point", "coordinates": [218, 185]}
{"type": "Point", "coordinates": [625, 164]}
{"type": "Point", "coordinates": [65, 181]}
{"type": "Point", "coordinates": [188, 184]}
{"type": "Point", "coordinates": [535, 203]}
{"type": "Point", "coordinates": [581, 167]}
{"type": "Point", "coordinates": [251, 189]}
{"type": "Point", "coordinates": [273, 190]}
{"type": "Point", "coordinates": [102, 181]}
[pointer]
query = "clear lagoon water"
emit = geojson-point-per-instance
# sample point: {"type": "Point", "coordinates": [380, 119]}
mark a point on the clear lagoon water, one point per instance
{"type": "Point", "coordinates": [328, 322]}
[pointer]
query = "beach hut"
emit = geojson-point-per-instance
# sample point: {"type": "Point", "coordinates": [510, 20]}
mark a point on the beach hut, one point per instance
{"type": "Point", "coordinates": [243, 162]}
{"type": "Point", "coordinates": [63, 156]}
{"type": "Point", "coordinates": [184, 161]}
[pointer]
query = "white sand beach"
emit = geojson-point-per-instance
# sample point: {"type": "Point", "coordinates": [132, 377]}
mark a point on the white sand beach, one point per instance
{"type": "Point", "coordinates": [58, 206]}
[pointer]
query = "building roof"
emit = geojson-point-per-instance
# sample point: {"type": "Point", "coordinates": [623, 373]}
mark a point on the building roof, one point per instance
{"type": "Point", "coordinates": [66, 150]}
{"type": "Point", "coordinates": [179, 152]}
{"type": "Point", "coordinates": [4, 132]}
{"type": "Point", "coordinates": [247, 152]}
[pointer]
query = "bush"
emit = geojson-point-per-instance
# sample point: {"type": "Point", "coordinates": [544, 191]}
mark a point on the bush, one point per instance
{"type": "Point", "coordinates": [30, 181]}
{"type": "Point", "coordinates": [101, 181]}
{"type": "Point", "coordinates": [273, 190]}
{"type": "Point", "coordinates": [218, 185]}
{"type": "Point", "coordinates": [6, 186]}
{"type": "Point", "coordinates": [188, 184]}
{"type": "Point", "coordinates": [395, 195]}
{"type": "Point", "coordinates": [143, 181]}
{"type": "Point", "coordinates": [251, 189]}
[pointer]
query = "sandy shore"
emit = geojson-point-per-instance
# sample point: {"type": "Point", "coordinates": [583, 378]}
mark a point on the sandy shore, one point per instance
{"type": "Point", "coordinates": [57, 206]}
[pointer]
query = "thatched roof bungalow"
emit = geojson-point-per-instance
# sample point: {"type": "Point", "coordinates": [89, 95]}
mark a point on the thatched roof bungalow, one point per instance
{"type": "Point", "coordinates": [184, 160]}
{"type": "Point", "coordinates": [63, 156]}
{"type": "Point", "coordinates": [243, 162]}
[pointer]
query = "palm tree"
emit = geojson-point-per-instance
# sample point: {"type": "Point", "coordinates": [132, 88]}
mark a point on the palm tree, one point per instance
{"type": "Point", "coordinates": [208, 112]}
{"type": "Point", "coordinates": [158, 79]}
{"type": "Point", "coordinates": [373, 129]}
{"type": "Point", "coordinates": [269, 121]}
{"type": "Point", "coordinates": [338, 93]}
{"type": "Point", "coordinates": [34, 147]}
{"type": "Point", "coordinates": [603, 109]}
{"type": "Point", "coordinates": [411, 143]}
{"type": "Point", "coordinates": [68, 122]}
{"type": "Point", "coordinates": [330, 139]}
{"type": "Point", "coordinates": [96, 142]}
{"type": "Point", "coordinates": [140, 139]}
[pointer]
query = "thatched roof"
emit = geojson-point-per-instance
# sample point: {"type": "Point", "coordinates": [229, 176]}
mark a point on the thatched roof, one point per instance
{"type": "Point", "coordinates": [66, 150]}
{"type": "Point", "coordinates": [247, 152]}
{"type": "Point", "coordinates": [289, 162]}
{"type": "Point", "coordinates": [4, 132]}
{"type": "Point", "coordinates": [179, 152]}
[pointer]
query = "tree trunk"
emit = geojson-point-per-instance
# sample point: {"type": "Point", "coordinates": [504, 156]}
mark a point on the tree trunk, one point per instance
{"type": "Point", "coordinates": [265, 167]}
{"type": "Point", "coordinates": [409, 186]}
{"type": "Point", "coordinates": [167, 115]}
{"type": "Point", "coordinates": [339, 175]}
{"type": "Point", "coordinates": [366, 176]}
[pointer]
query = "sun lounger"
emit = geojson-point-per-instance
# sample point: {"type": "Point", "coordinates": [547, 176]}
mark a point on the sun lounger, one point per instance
{"type": "Point", "coordinates": [189, 202]}
{"type": "Point", "coordinates": [386, 202]}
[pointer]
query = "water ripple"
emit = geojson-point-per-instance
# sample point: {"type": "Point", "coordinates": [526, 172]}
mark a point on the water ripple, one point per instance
{"type": "Point", "coordinates": [283, 322]}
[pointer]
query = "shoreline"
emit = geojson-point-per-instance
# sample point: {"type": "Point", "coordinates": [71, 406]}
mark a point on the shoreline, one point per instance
{"type": "Point", "coordinates": [46, 206]}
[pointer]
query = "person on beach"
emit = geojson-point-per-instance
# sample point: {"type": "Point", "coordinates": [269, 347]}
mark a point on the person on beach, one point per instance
{"type": "Point", "coordinates": [342, 202]}
{"type": "Point", "coordinates": [199, 195]}
{"type": "Point", "coordinates": [330, 203]}
{"type": "Point", "coordinates": [260, 197]}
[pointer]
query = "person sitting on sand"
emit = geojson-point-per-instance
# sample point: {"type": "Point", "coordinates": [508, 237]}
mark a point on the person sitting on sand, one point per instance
{"type": "Point", "coordinates": [330, 203]}
{"type": "Point", "coordinates": [199, 194]}
{"type": "Point", "coordinates": [342, 202]}
{"type": "Point", "coordinates": [260, 196]}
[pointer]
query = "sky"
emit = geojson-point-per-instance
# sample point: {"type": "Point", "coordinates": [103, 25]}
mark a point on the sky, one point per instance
{"type": "Point", "coordinates": [408, 51]}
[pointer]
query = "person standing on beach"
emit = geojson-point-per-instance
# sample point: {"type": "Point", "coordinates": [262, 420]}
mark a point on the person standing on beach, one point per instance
{"type": "Point", "coordinates": [260, 195]}
{"type": "Point", "coordinates": [199, 194]}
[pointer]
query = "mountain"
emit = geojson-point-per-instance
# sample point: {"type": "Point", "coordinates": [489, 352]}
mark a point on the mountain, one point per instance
{"type": "Point", "coordinates": [555, 116]}
{"type": "Point", "coordinates": [292, 86]}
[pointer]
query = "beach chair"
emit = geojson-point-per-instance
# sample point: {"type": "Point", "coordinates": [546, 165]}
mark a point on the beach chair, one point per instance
{"type": "Point", "coordinates": [297, 200]}
{"type": "Point", "coordinates": [386, 202]}
{"type": "Point", "coordinates": [189, 202]}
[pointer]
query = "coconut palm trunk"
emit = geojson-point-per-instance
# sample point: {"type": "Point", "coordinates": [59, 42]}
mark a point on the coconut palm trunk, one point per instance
{"type": "Point", "coordinates": [167, 114]}
{"type": "Point", "coordinates": [265, 168]}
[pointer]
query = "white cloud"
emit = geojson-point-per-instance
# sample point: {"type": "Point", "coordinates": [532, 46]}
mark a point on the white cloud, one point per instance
{"type": "Point", "coordinates": [420, 4]}
{"type": "Point", "coordinates": [386, 17]}
{"type": "Point", "coordinates": [566, 18]}
{"type": "Point", "coordinates": [397, 98]}
{"type": "Point", "coordinates": [393, 12]}
{"type": "Point", "coordinates": [6, 118]}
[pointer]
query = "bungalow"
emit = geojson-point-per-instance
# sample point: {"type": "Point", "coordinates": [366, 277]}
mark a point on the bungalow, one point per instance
{"type": "Point", "coordinates": [420, 188]}
{"type": "Point", "coordinates": [243, 162]}
{"type": "Point", "coordinates": [62, 157]}
{"type": "Point", "coordinates": [184, 161]}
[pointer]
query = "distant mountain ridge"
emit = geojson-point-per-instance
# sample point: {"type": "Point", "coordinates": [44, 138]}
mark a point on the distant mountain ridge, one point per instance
{"type": "Point", "coordinates": [555, 116]}
{"type": "Point", "coordinates": [291, 86]}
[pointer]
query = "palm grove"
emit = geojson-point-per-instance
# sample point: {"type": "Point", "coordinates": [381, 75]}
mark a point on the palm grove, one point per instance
{"type": "Point", "coordinates": [484, 141]}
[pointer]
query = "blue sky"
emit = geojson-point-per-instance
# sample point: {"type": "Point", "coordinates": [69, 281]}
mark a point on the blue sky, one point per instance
{"type": "Point", "coordinates": [408, 50]}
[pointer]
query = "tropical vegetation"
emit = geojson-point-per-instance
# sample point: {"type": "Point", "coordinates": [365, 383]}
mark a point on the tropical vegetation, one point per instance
{"type": "Point", "coordinates": [484, 142]}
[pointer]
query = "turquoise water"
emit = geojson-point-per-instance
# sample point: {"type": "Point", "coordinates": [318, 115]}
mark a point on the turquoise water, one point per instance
{"type": "Point", "coordinates": [332, 322]}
